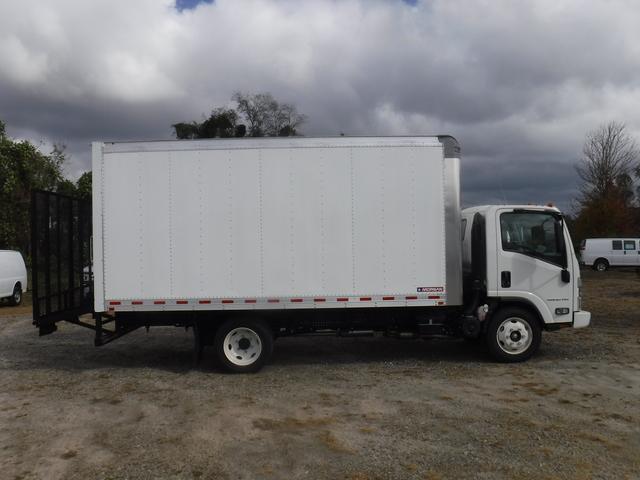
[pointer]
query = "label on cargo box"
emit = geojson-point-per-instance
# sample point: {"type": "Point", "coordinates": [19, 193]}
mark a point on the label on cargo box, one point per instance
{"type": "Point", "coordinates": [430, 289]}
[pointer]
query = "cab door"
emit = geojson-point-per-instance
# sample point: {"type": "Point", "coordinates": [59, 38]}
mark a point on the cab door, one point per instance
{"type": "Point", "coordinates": [533, 260]}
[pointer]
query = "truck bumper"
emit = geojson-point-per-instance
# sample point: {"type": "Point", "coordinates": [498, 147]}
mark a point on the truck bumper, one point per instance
{"type": "Point", "coordinates": [581, 319]}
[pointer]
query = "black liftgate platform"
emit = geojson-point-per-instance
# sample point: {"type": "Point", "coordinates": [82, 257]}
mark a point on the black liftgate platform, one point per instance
{"type": "Point", "coordinates": [61, 267]}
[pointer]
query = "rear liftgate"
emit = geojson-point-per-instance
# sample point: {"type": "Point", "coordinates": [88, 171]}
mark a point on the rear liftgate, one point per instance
{"type": "Point", "coordinates": [61, 270]}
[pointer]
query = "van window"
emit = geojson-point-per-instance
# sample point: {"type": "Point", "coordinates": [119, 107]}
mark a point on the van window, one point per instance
{"type": "Point", "coordinates": [536, 234]}
{"type": "Point", "coordinates": [629, 244]}
{"type": "Point", "coordinates": [616, 244]}
{"type": "Point", "coordinates": [464, 228]}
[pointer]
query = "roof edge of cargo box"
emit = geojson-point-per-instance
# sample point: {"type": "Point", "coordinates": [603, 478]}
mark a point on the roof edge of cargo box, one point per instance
{"type": "Point", "coordinates": [449, 143]}
{"type": "Point", "coordinates": [451, 146]}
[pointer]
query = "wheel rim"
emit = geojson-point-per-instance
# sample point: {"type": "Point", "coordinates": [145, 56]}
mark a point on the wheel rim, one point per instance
{"type": "Point", "coordinates": [514, 335]}
{"type": "Point", "coordinates": [601, 267]}
{"type": "Point", "coordinates": [17, 295]}
{"type": "Point", "coordinates": [242, 346]}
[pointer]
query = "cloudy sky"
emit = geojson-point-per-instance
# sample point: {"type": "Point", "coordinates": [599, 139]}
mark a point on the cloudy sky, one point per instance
{"type": "Point", "coordinates": [518, 83]}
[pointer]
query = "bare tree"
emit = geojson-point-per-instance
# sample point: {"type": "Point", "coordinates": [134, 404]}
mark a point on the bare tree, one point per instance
{"type": "Point", "coordinates": [266, 116]}
{"type": "Point", "coordinates": [263, 114]}
{"type": "Point", "coordinates": [257, 110]}
{"type": "Point", "coordinates": [605, 205]}
{"type": "Point", "coordinates": [289, 120]}
{"type": "Point", "coordinates": [609, 155]}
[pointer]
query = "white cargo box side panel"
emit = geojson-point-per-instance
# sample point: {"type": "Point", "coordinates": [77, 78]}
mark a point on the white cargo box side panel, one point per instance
{"type": "Point", "coordinates": [229, 223]}
{"type": "Point", "coordinates": [189, 222]}
{"type": "Point", "coordinates": [398, 221]}
{"type": "Point", "coordinates": [306, 222]}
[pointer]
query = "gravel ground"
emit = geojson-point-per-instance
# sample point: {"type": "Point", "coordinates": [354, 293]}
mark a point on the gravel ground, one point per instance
{"type": "Point", "coordinates": [327, 408]}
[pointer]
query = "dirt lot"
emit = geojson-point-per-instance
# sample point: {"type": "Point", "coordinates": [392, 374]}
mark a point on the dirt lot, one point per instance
{"type": "Point", "coordinates": [326, 408]}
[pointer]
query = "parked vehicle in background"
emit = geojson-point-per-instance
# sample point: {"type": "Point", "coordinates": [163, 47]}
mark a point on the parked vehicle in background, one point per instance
{"type": "Point", "coordinates": [603, 253]}
{"type": "Point", "coordinates": [13, 276]}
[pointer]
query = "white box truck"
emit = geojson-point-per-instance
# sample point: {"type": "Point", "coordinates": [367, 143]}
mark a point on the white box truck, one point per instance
{"type": "Point", "coordinates": [247, 240]}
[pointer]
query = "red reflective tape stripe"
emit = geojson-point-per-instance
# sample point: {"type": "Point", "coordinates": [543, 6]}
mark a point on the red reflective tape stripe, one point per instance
{"type": "Point", "coordinates": [274, 300]}
{"type": "Point", "coordinates": [111, 309]}
{"type": "Point", "coordinates": [388, 298]}
{"type": "Point", "coordinates": [136, 302]}
{"type": "Point", "coordinates": [204, 302]}
{"type": "Point", "coordinates": [365, 299]}
{"type": "Point", "coordinates": [159, 302]}
{"type": "Point", "coordinates": [411, 297]}
{"type": "Point", "coordinates": [296, 300]}
{"type": "Point", "coordinates": [182, 302]}
{"type": "Point", "coordinates": [433, 297]}
{"type": "Point", "coordinates": [319, 299]}
{"type": "Point", "coordinates": [440, 303]}
{"type": "Point", "coordinates": [114, 303]}
{"type": "Point", "coordinates": [342, 299]}
{"type": "Point", "coordinates": [250, 300]}
{"type": "Point", "coordinates": [227, 301]}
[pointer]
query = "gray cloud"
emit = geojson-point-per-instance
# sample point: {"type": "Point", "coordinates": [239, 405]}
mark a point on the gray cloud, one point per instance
{"type": "Point", "coordinates": [519, 83]}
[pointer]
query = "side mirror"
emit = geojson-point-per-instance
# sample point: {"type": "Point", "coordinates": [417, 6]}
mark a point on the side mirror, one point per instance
{"type": "Point", "coordinates": [565, 275]}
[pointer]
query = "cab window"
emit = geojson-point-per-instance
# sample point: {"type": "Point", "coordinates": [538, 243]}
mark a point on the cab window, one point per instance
{"type": "Point", "coordinates": [535, 234]}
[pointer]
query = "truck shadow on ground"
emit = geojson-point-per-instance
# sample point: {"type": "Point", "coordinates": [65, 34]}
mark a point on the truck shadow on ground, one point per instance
{"type": "Point", "coordinates": [332, 350]}
{"type": "Point", "coordinates": [171, 350]}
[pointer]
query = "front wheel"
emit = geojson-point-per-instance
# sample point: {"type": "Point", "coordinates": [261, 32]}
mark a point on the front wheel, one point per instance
{"type": "Point", "coordinates": [16, 297]}
{"type": "Point", "coordinates": [601, 265]}
{"type": "Point", "coordinates": [513, 335]}
{"type": "Point", "coordinates": [243, 346]}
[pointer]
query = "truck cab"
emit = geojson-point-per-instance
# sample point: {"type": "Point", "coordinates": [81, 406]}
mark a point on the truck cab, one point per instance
{"type": "Point", "coordinates": [520, 262]}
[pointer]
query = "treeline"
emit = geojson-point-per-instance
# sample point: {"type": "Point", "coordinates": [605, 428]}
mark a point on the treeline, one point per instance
{"type": "Point", "coordinates": [24, 168]}
{"type": "Point", "coordinates": [255, 115]}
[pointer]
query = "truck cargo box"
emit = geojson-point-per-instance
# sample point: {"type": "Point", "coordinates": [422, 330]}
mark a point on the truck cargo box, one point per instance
{"type": "Point", "coordinates": [276, 223]}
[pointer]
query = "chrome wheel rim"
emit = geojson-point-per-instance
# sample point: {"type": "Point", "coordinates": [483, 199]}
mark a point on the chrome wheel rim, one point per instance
{"type": "Point", "coordinates": [514, 335]}
{"type": "Point", "coordinates": [601, 267]}
{"type": "Point", "coordinates": [242, 346]}
{"type": "Point", "coordinates": [17, 296]}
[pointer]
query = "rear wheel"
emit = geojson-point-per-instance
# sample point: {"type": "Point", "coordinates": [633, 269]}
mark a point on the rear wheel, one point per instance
{"type": "Point", "coordinates": [513, 335]}
{"type": "Point", "coordinates": [243, 346]}
{"type": "Point", "coordinates": [16, 297]}
{"type": "Point", "coordinates": [601, 265]}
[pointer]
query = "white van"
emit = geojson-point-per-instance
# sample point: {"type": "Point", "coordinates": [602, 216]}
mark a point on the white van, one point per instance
{"type": "Point", "coordinates": [13, 276]}
{"type": "Point", "coordinates": [602, 253]}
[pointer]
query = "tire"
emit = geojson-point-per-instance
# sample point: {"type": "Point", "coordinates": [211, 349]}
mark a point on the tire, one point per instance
{"type": "Point", "coordinates": [601, 265]}
{"type": "Point", "coordinates": [243, 346]}
{"type": "Point", "coordinates": [513, 335]}
{"type": "Point", "coordinates": [16, 298]}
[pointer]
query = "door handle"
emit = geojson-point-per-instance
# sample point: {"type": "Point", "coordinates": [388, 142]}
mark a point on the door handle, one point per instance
{"type": "Point", "coordinates": [505, 278]}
